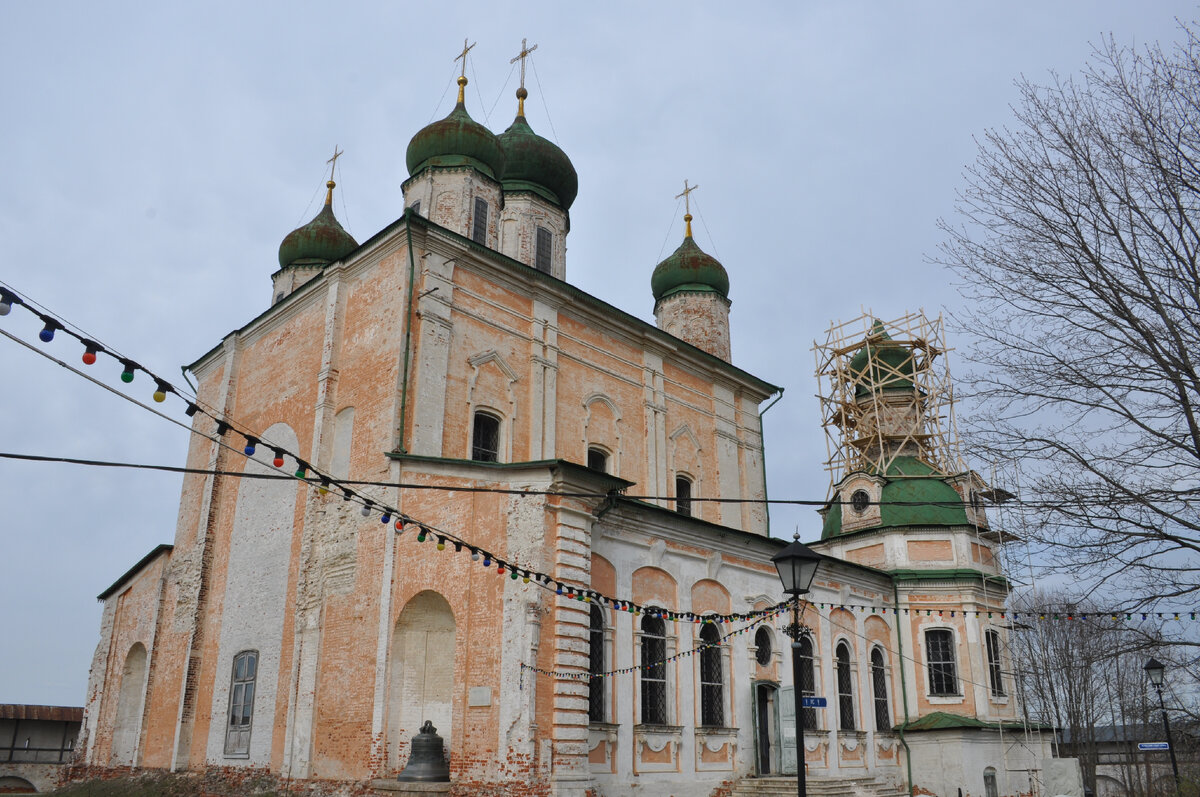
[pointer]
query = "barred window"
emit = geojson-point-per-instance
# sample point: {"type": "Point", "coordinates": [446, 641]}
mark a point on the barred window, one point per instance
{"type": "Point", "coordinates": [995, 674]}
{"type": "Point", "coordinates": [883, 715]}
{"type": "Point", "coordinates": [683, 495]}
{"type": "Point", "coordinates": [845, 687]}
{"type": "Point", "coordinates": [596, 712]}
{"type": "Point", "coordinates": [808, 681]}
{"type": "Point", "coordinates": [544, 249]}
{"type": "Point", "coordinates": [712, 679]}
{"type": "Point", "coordinates": [939, 654]}
{"type": "Point", "coordinates": [241, 703]}
{"type": "Point", "coordinates": [654, 670]}
{"type": "Point", "coordinates": [485, 438]}
{"type": "Point", "coordinates": [479, 226]}
{"type": "Point", "coordinates": [762, 643]}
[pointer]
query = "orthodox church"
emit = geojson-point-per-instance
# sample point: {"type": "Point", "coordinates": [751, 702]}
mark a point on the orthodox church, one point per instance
{"type": "Point", "coordinates": [551, 585]}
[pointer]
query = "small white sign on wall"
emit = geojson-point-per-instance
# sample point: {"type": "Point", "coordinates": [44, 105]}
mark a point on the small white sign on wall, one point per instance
{"type": "Point", "coordinates": [479, 696]}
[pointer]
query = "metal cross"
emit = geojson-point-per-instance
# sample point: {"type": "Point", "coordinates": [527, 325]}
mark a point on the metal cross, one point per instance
{"type": "Point", "coordinates": [463, 56]}
{"type": "Point", "coordinates": [337, 153]}
{"type": "Point", "coordinates": [521, 56]}
{"type": "Point", "coordinates": [687, 199]}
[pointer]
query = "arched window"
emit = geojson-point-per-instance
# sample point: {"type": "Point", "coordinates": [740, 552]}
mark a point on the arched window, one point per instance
{"type": "Point", "coordinates": [479, 225]}
{"type": "Point", "coordinates": [596, 706]}
{"type": "Point", "coordinates": [712, 679]}
{"type": "Point", "coordinates": [241, 703]}
{"type": "Point", "coordinates": [883, 716]}
{"type": "Point", "coordinates": [845, 687]}
{"type": "Point", "coordinates": [762, 644]}
{"type": "Point", "coordinates": [485, 438]}
{"type": "Point", "coordinates": [939, 655]}
{"type": "Point", "coordinates": [654, 670]}
{"type": "Point", "coordinates": [989, 783]}
{"type": "Point", "coordinates": [683, 495]}
{"type": "Point", "coordinates": [808, 681]}
{"type": "Point", "coordinates": [995, 674]}
{"type": "Point", "coordinates": [597, 459]}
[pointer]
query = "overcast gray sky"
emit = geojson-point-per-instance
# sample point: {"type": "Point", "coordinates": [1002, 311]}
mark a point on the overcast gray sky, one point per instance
{"type": "Point", "coordinates": [155, 155]}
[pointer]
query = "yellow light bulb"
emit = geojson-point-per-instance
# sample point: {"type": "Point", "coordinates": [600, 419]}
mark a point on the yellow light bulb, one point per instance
{"type": "Point", "coordinates": [160, 396]}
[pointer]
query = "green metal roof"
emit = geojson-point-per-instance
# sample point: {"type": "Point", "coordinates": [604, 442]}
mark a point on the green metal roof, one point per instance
{"type": "Point", "coordinates": [531, 163]}
{"type": "Point", "coordinates": [945, 721]}
{"type": "Point", "coordinates": [882, 364]}
{"type": "Point", "coordinates": [689, 268]}
{"type": "Point", "coordinates": [913, 495]}
{"type": "Point", "coordinates": [318, 243]}
{"type": "Point", "coordinates": [457, 140]}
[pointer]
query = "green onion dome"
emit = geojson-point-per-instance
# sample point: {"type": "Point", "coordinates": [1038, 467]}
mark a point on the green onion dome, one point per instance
{"type": "Point", "coordinates": [319, 242]}
{"type": "Point", "coordinates": [913, 495]}
{"type": "Point", "coordinates": [891, 364]}
{"type": "Point", "coordinates": [689, 269]}
{"type": "Point", "coordinates": [532, 163]}
{"type": "Point", "coordinates": [457, 140]}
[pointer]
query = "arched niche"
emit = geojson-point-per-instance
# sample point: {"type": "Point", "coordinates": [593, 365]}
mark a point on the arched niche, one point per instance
{"type": "Point", "coordinates": [128, 723]}
{"type": "Point", "coordinates": [421, 683]}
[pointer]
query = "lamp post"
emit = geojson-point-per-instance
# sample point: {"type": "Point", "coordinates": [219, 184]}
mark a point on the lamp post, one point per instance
{"type": "Point", "coordinates": [797, 565]}
{"type": "Point", "coordinates": [1155, 670]}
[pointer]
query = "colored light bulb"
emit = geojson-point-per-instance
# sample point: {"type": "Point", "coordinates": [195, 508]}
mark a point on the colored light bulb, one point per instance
{"type": "Point", "coordinates": [6, 302]}
{"type": "Point", "coordinates": [499, 568]}
{"type": "Point", "coordinates": [474, 556]}
{"type": "Point", "coordinates": [513, 575]}
{"type": "Point", "coordinates": [441, 546]}
{"type": "Point", "coordinates": [366, 510]}
{"type": "Point", "coordinates": [249, 449]}
{"type": "Point", "coordinates": [399, 524]}
{"type": "Point", "coordinates": [421, 536]}
{"type": "Point", "coordinates": [47, 333]}
{"type": "Point", "coordinates": [89, 355]}
{"type": "Point", "coordinates": [487, 561]}
{"type": "Point", "coordinates": [278, 462]}
{"type": "Point", "coordinates": [386, 519]}
{"type": "Point", "coordinates": [127, 374]}
{"type": "Point", "coordinates": [300, 472]}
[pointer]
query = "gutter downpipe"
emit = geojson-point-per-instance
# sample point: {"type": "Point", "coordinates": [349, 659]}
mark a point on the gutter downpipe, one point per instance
{"type": "Point", "coordinates": [762, 461]}
{"type": "Point", "coordinates": [408, 318]}
{"type": "Point", "coordinates": [903, 686]}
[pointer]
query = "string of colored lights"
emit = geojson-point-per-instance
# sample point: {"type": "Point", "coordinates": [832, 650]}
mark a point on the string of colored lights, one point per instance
{"type": "Point", "coordinates": [324, 483]}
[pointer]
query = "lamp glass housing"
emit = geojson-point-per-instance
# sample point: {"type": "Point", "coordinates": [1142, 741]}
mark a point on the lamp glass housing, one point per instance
{"type": "Point", "coordinates": [797, 566]}
{"type": "Point", "coordinates": [1155, 670]}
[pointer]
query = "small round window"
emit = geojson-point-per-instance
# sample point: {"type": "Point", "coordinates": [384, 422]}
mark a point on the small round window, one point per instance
{"type": "Point", "coordinates": [762, 641]}
{"type": "Point", "coordinates": [860, 501]}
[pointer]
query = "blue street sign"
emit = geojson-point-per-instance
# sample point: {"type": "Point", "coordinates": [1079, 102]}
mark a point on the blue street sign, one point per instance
{"type": "Point", "coordinates": [1147, 745]}
{"type": "Point", "coordinates": [812, 702]}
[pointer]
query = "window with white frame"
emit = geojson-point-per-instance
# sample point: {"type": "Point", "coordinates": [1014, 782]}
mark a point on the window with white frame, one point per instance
{"type": "Point", "coordinates": [941, 662]}
{"type": "Point", "coordinates": [845, 688]}
{"type": "Point", "coordinates": [712, 678]}
{"type": "Point", "coordinates": [241, 703]}
{"type": "Point", "coordinates": [596, 701]}
{"type": "Point", "coordinates": [995, 673]}
{"type": "Point", "coordinates": [597, 459]}
{"type": "Point", "coordinates": [485, 437]}
{"type": "Point", "coordinates": [762, 646]}
{"type": "Point", "coordinates": [879, 691]}
{"type": "Point", "coordinates": [654, 669]}
{"type": "Point", "coordinates": [808, 680]}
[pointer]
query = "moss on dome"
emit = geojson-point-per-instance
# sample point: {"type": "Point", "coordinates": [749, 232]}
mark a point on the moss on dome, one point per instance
{"type": "Point", "coordinates": [532, 163]}
{"type": "Point", "coordinates": [689, 268]}
{"type": "Point", "coordinates": [457, 140]}
{"type": "Point", "coordinates": [321, 241]}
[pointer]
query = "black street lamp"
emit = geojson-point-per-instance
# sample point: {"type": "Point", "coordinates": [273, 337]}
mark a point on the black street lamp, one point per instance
{"type": "Point", "coordinates": [1155, 670]}
{"type": "Point", "coordinates": [797, 565]}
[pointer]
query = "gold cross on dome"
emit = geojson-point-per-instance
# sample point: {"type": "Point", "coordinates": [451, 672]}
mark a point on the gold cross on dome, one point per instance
{"type": "Point", "coordinates": [686, 199]}
{"type": "Point", "coordinates": [463, 56]}
{"type": "Point", "coordinates": [337, 153]}
{"type": "Point", "coordinates": [521, 56]}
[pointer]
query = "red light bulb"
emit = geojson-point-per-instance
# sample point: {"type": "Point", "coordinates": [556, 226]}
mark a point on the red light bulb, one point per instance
{"type": "Point", "coordinates": [89, 358]}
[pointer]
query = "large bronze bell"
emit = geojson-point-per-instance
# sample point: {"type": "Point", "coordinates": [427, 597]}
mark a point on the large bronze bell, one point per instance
{"type": "Point", "coordinates": [428, 761]}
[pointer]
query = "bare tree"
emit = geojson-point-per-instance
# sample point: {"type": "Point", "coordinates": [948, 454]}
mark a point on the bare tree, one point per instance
{"type": "Point", "coordinates": [1077, 241]}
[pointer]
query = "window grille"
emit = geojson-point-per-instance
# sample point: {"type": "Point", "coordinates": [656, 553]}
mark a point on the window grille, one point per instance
{"type": "Point", "coordinates": [683, 495]}
{"type": "Point", "coordinates": [939, 652]}
{"type": "Point", "coordinates": [479, 226]}
{"type": "Point", "coordinates": [712, 679]}
{"type": "Point", "coordinates": [654, 671]}
{"type": "Point", "coordinates": [808, 681]}
{"type": "Point", "coordinates": [241, 703]}
{"type": "Point", "coordinates": [995, 674]}
{"type": "Point", "coordinates": [596, 711]}
{"type": "Point", "coordinates": [485, 438]}
{"type": "Point", "coordinates": [845, 687]}
{"type": "Point", "coordinates": [762, 641]}
{"type": "Point", "coordinates": [544, 249]}
{"type": "Point", "coordinates": [883, 717]}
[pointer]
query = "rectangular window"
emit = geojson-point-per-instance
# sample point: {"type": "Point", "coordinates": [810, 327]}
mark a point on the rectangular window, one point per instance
{"type": "Point", "coordinates": [943, 671]}
{"type": "Point", "coordinates": [485, 438]}
{"type": "Point", "coordinates": [595, 666]}
{"type": "Point", "coordinates": [654, 671]}
{"type": "Point", "coordinates": [712, 679]}
{"type": "Point", "coordinates": [544, 250]}
{"type": "Point", "coordinates": [883, 717]}
{"type": "Point", "coordinates": [241, 703]}
{"type": "Point", "coordinates": [597, 460]}
{"type": "Point", "coordinates": [683, 495]}
{"type": "Point", "coordinates": [995, 674]}
{"type": "Point", "coordinates": [845, 687]}
{"type": "Point", "coordinates": [479, 227]}
{"type": "Point", "coordinates": [808, 681]}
